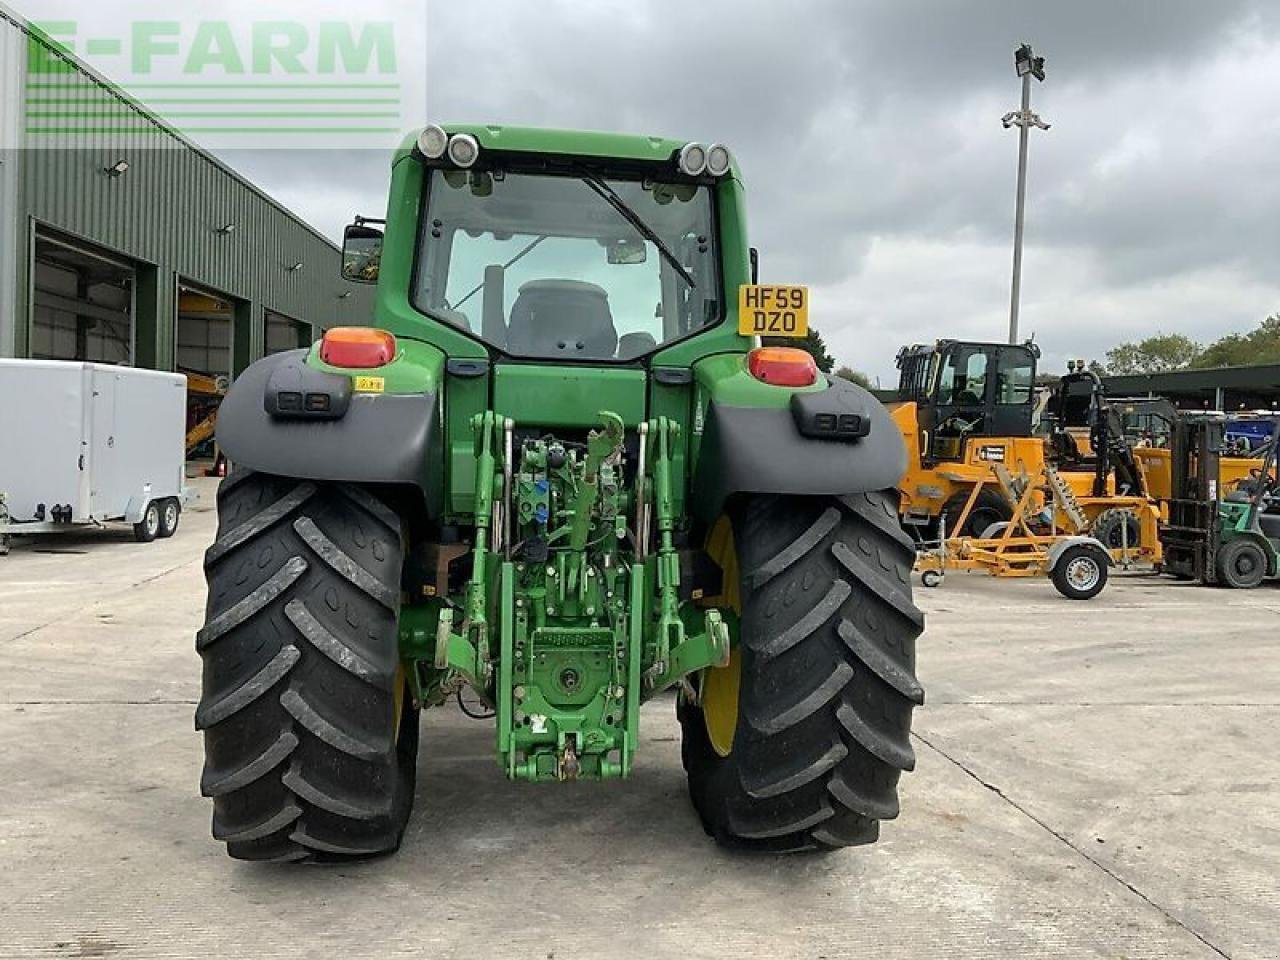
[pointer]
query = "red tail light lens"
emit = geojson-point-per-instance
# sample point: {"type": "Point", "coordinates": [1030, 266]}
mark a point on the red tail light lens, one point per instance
{"type": "Point", "coordinates": [357, 347]}
{"type": "Point", "coordinates": [783, 366]}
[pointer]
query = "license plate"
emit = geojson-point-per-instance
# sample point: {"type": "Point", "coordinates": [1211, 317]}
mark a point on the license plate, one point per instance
{"type": "Point", "coordinates": [773, 310]}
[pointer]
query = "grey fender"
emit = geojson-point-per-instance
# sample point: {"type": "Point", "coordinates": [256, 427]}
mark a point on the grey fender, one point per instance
{"type": "Point", "coordinates": [357, 438]}
{"type": "Point", "coordinates": [831, 442]}
{"type": "Point", "coordinates": [1059, 547]}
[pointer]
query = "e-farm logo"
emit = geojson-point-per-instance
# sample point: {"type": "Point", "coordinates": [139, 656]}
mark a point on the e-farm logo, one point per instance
{"type": "Point", "coordinates": [243, 82]}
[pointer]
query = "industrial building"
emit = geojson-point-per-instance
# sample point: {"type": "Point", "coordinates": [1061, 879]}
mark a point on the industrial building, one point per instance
{"type": "Point", "coordinates": [1216, 388]}
{"type": "Point", "coordinates": [123, 242]}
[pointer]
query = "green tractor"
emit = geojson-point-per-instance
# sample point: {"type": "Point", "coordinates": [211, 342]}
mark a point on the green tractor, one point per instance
{"type": "Point", "coordinates": [558, 472]}
{"type": "Point", "coordinates": [1230, 538]}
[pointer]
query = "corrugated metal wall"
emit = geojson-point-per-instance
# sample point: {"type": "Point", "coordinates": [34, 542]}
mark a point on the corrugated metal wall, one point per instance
{"type": "Point", "coordinates": [166, 211]}
{"type": "Point", "coordinates": [12, 61]}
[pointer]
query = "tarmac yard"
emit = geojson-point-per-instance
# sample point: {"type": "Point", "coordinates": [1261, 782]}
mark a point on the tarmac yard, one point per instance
{"type": "Point", "coordinates": [1095, 779]}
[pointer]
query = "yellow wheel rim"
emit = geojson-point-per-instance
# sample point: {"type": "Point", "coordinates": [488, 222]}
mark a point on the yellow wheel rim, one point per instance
{"type": "Point", "coordinates": [397, 699]}
{"type": "Point", "coordinates": [720, 684]}
{"type": "Point", "coordinates": [720, 703]}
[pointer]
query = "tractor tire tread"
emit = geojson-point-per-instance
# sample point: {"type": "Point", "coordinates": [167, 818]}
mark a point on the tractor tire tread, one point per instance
{"type": "Point", "coordinates": [332, 646]}
{"type": "Point", "coordinates": [342, 564]}
{"type": "Point", "coordinates": [251, 605]}
{"type": "Point", "coordinates": [302, 756]}
{"type": "Point", "coordinates": [211, 711]}
{"type": "Point", "coordinates": [254, 527]}
{"type": "Point", "coordinates": [828, 678]}
{"type": "Point", "coordinates": [215, 784]}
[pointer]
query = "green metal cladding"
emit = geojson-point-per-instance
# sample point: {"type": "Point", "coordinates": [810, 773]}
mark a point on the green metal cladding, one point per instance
{"type": "Point", "coordinates": [164, 213]}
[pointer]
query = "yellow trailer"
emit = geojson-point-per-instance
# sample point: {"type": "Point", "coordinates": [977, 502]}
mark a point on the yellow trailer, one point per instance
{"type": "Point", "coordinates": [1044, 536]}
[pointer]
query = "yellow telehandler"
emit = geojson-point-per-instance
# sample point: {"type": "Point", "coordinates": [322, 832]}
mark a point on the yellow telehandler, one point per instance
{"type": "Point", "coordinates": [964, 407]}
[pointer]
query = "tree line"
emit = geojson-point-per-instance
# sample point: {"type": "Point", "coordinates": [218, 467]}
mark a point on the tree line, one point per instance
{"type": "Point", "coordinates": [1175, 351]}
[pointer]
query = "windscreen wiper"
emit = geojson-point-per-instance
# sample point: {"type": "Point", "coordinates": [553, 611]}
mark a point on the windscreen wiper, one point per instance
{"type": "Point", "coordinates": [610, 196]}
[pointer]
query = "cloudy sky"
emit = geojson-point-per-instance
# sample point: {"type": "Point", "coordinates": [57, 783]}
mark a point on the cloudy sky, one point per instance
{"type": "Point", "coordinates": [877, 169]}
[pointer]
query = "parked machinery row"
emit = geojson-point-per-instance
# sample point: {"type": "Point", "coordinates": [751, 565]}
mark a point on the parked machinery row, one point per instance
{"type": "Point", "coordinates": [1000, 471]}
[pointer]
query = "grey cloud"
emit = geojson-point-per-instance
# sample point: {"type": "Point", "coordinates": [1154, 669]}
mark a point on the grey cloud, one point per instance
{"type": "Point", "coordinates": [869, 133]}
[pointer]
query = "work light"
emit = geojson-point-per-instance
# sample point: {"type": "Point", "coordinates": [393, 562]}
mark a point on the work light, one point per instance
{"type": "Point", "coordinates": [693, 159]}
{"type": "Point", "coordinates": [718, 160]}
{"type": "Point", "coordinates": [433, 142]}
{"type": "Point", "coordinates": [463, 149]}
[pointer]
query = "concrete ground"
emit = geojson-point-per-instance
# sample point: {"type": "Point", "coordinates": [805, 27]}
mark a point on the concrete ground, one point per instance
{"type": "Point", "coordinates": [1093, 780]}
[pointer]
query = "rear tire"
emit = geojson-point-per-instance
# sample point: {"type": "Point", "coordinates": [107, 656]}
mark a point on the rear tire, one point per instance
{"type": "Point", "coordinates": [988, 509]}
{"type": "Point", "coordinates": [310, 740]}
{"type": "Point", "coordinates": [1241, 565]}
{"type": "Point", "coordinates": [826, 685]}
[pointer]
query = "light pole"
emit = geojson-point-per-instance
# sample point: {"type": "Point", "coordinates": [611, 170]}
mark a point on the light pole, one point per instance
{"type": "Point", "coordinates": [1028, 65]}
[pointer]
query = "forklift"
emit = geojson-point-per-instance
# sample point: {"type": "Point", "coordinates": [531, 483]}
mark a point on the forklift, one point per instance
{"type": "Point", "coordinates": [1232, 540]}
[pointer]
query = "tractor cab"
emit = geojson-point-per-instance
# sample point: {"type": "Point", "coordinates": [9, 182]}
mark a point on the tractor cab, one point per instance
{"type": "Point", "coordinates": [964, 390]}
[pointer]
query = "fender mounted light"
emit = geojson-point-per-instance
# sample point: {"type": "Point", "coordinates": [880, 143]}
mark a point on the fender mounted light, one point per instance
{"type": "Point", "coordinates": [357, 347]}
{"type": "Point", "coordinates": [783, 366]}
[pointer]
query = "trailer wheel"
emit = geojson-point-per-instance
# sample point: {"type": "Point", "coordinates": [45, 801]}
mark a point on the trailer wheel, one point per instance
{"type": "Point", "coordinates": [170, 514]}
{"type": "Point", "coordinates": [931, 579]}
{"type": "Point", "coordinates": [799, 742]}
{"type": "Point", "coordinates": [1080, 573]}
{"type": "Point", "coordinates": [1241, 565]}
{"type": "Point", "coordinates": [310, 740]}
{"type": "Point", "coordinates": [148, 528]}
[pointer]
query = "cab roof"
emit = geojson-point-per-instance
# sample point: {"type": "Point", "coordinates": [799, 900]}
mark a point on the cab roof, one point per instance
{"type": "Point", "coordinates": [585, 143]}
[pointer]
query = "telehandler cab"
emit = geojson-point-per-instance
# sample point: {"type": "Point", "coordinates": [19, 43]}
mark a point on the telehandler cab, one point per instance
{"type": "Point", "coordinates": [961, 407]}
{"type": "Point", "coordinates": [557, 470]}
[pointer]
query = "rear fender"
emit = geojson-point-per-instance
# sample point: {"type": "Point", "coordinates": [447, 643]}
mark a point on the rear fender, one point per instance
{"type": "Point", "coordinates": [834, 438]}
{"type": "Point", "coordinates": [386, 432]}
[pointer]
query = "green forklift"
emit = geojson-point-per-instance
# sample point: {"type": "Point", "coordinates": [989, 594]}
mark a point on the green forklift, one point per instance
{"type": "Point", "coordinates": [1231, 539]}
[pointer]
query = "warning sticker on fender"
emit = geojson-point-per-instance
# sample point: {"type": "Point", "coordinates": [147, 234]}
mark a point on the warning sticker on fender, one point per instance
{"type": "Point", "coordinates": [369, 384]}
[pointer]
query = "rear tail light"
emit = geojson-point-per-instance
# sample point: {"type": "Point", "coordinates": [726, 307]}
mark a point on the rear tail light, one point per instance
{"type": "Point", "coordinates": [357, 347]}
{"type": "Point", "coordinates": [783, 366]}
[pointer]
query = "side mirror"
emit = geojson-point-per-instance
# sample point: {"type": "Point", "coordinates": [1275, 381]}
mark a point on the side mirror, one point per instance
{"type": "Point", "coordinates": [755, 265]}
{"type": "Point", "coordinates": [361, 253]}
{"type": "Point", "coordinates": [626, 251]}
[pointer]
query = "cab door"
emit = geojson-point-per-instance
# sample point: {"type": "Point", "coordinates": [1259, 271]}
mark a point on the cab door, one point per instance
{"type": "Point", "coordinates": [1013, 393]}
{"type": "Point", "coordinates": [962, 399]}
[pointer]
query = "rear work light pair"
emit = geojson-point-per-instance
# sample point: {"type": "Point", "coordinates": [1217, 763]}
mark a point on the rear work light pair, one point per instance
{"type": "Point", "coordinates": [462, 148]}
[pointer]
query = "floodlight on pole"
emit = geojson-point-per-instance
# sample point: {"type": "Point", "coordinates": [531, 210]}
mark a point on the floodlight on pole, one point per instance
{"type": "Point", "coordinates": [1027, 65]}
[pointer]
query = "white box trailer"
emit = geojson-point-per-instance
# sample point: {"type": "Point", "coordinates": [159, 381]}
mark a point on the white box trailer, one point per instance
{"type": "Point", "coordinates": [90, 443]}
